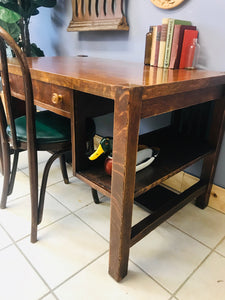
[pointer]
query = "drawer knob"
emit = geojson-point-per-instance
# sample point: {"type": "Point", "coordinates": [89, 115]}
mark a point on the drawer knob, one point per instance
{"type": "Point", "coordinates": [56, 98]}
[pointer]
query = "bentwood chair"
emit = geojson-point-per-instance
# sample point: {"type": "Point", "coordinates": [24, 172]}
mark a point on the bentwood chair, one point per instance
{"type": "Point", "coordinates": [34, 131]}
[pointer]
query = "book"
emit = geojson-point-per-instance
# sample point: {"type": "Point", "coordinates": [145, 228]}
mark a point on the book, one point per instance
{"type": "Point", "coordinates": [189, 35]}
{"type": "Point", "coordinates": [169, 38]}
{"type": "Point", "coordinates": [152, 57]}
{"type": "Point", "coordinates": [158, 36]}
{"type": "Point", "coordinates": [148, 46]}
{"type": "Point", "coordinates": [162, 43]}
{"type": "Point", "coordinates": [178, 35]}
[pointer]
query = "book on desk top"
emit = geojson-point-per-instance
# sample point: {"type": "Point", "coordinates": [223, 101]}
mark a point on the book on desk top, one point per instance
{"type": "Point", "coordinates": [178, 35]}
{"type": "Point", "coordinates": [155, 46]}
{"type": "Point", "coordinates": [189, 35]}
{"type": "Point", "coordinates": [162, 43]}
{"type": "Point", "coordinates": [169, 38]}
{"type": "Point", "coordinates": [152, 56]}
{"type": "Point", "coordinates": [158, 37]}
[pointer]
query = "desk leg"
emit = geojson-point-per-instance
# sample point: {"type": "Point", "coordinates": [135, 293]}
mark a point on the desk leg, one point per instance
{"type": "Point", "coordinates": [215, 139]}
{"type": "Point", "coordinates": [127, 111]}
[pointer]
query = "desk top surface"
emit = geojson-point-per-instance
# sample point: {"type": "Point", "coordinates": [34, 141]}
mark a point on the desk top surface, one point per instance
{"type": "Point", "coordinates": [104, 76]}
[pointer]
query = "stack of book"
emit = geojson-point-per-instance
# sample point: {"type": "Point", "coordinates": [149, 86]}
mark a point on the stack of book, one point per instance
{"type": "Point", "coordinates": [170, 43]}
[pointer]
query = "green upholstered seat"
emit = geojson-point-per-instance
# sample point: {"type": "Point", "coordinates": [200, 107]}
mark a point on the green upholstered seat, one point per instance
{"type": "Point", "coordinates": [50, 128]}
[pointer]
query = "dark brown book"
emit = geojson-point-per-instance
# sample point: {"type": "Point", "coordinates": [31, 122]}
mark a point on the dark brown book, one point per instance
{"type": "Point", "coordinates": [177, 42]}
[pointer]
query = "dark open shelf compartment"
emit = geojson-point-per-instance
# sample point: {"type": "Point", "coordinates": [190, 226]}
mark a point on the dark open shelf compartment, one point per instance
{"type": "Point", "coordinates": [161, 204]}
{"type": "Point", "coordinates": [177, 152]}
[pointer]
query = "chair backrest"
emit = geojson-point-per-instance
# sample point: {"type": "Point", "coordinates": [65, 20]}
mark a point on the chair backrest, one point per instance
{"type": "Point", "coordinates": [6, 111]}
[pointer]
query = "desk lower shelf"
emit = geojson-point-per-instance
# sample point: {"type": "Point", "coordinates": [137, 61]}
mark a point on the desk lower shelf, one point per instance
{"type": "Point", "coordinates": [162, 204]}
{"type": "Point", "coordinates": [176, 153]}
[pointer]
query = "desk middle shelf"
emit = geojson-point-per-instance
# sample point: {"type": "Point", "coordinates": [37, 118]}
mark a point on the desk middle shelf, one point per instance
{"type": "Point", "coordinates": [177, 152]}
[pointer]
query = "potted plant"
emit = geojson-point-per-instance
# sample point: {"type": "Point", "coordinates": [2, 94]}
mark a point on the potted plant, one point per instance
{"type": "Point", "coordinates": [15, 18]}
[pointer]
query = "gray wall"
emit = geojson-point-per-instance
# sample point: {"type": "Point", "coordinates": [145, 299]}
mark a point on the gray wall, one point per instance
{"type": "Point", "coordinates": [48, 30]}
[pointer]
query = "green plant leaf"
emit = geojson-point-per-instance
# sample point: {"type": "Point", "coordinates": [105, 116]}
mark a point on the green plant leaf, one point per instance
{"type": "Point", "coordinates": [31, 8]}
{"type": "Point", "coordinates": [11, 12]}
{"type": "Point", "coordinates": [36, 51]}
{"type": "Point", "coordinates": [8, 15]}
{"type": "Point", "coordinates": [5, 2]}
{"type": "Point", "coordinates": [12, 29]}
{"type": "Point", "coordinates": [44, 3]}
{"type": "Point", "coordinates": [35, 12]}
{"type": "Point", "coordinates": [28, 8]}
{"type": "Point", "coordinates": [11, 4]}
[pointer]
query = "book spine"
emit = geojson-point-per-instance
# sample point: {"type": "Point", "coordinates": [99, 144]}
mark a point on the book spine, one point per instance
{"type": "Point", "coordinates": [148, 45]}
{"type": "Point", "coordinates": [175, 46]}
{"type": "Point", "coordinates": [162, 44]}
{"type": "Point", "coordinates": [158, 37]}
{"type": "Point", "coordinates": [168, 43]}
{"type": "Point", "coordinates": [189, 35]}
{"type": "Point", "coordinates": [152, 58]}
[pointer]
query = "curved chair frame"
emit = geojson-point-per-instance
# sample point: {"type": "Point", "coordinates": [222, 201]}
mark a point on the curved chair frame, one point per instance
{"type": "Point", "coordinates": [7, 118]}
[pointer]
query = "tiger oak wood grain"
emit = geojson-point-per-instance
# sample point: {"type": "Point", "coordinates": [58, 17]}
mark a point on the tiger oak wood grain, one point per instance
{"type": "Point", "coordinates": [135, 91]}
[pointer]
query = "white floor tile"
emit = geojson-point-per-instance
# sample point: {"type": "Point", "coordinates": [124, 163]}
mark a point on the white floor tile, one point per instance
{"type": "Point", "coordinates": [16, 218]}
{"type": "Point", "coordinates": [208, 282]}
{"type": "Point", "coordinates": [74, 195]}
{"type": "Point", "coordinates": [23, 159]}
{"type": "Point", "coordinates": [138, 214]}
{"type": "Point", "coordinates": [55, 174]}
{"type": "Point", "coordinates": [21, 186]}
{"type": "Point", "coordinates": [18, 279]}
{"type": "Point", "coordinates": [4, 239]}
{"type": "Point", "coordinates": [94, 283]}
{"type": "Point", "coordinates": [49, 297]}
{"type": "Point", "coordinates": [63, 249]}
{"type": "Point", "coordinates": [205, 225]}
{"type": "Point", "coordinates": [98, 216]}
{"type": "Point", "coordinates": [221, 248]}
{"type": "Point", "coordinates": [168, 255]}
{"type": "Point", "coordinates": [70, 254]}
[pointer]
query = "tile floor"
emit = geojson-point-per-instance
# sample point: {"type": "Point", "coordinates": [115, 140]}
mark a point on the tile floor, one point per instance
{"type": "Point", "coordinates": [182, 259]}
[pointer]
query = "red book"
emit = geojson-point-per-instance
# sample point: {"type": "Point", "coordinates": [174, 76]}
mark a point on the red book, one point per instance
{"type": "Point", "coordinates": [189, 35]}
{"type": "Point", "coordinates": [177, 44]}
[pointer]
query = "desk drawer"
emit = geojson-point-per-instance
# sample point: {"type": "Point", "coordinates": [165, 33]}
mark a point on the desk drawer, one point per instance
{"type": "Point", "coordinates": [49, 96]}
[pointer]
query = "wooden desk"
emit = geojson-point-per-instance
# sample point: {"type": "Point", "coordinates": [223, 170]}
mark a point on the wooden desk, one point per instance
{"type": "Point", "coordinates": [91, 87]}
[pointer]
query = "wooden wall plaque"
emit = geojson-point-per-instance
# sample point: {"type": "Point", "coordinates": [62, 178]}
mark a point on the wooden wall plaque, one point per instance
{"type": "Point", "coordinates": [167, 4]}
{"type": "Point", "coordinates": [90, 15]}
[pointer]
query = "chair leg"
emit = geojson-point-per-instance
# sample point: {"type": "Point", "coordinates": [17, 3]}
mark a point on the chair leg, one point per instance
{"type": "Point", "coordinates": [44, 183]}
{"type": "Point", "coordinates": [6, 172]}
{"type": "Point", "coordinates": [33, 177]}
{"type": "Point", "coordinates": [1, 159]}
{"type": "Point", "coordinates": [13, 172]}
{"type": "Point", "coordinates": [63, 168]}
{"type": "Point", "coordinates": [95, 196]}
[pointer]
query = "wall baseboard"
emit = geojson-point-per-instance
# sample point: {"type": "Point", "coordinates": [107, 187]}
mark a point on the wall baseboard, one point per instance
{"type": "Point", "coordinates": [182, 181]}
{"type": "Point", "coordinates": [217, 198]}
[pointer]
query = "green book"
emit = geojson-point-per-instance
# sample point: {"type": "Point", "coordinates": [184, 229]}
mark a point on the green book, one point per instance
{"type": "Point", "coordinates": [169, 38]}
